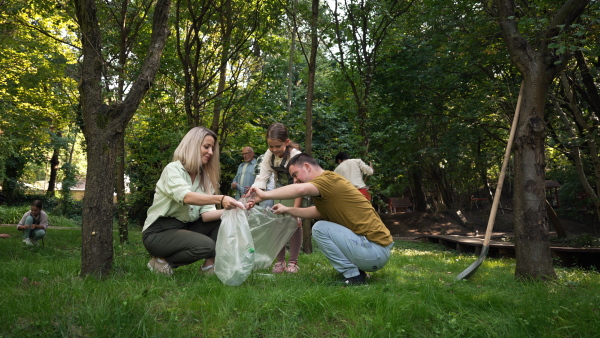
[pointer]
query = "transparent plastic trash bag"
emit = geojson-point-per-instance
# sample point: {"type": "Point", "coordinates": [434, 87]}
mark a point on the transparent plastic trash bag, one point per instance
{"type": "Point", "coordinates": [270, 233]}
{"type": "Point", "coordinates": [235, 255]}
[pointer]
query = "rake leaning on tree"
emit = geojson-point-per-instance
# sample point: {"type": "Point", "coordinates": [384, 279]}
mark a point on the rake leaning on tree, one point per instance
{"type": "Point", "coordinates": [350, 232]}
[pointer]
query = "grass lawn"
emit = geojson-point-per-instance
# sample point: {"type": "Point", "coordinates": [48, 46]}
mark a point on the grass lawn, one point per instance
{"type": "Point", "coordinates": [415, 295]}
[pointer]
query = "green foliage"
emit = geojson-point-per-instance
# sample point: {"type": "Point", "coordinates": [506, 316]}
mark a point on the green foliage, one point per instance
{"type": "Point", "coordinates": [440, 105]}
{"type": "Point", "coordinates": [150, 143]}
{"type": "Point", "coordinates": [36, 89]}
{"type": "Point", "coordinates": [67, 205]}
{"type": "Point", "coordinates": [414, 295]}
{"type": "Point", "coordinates": [13, 214]}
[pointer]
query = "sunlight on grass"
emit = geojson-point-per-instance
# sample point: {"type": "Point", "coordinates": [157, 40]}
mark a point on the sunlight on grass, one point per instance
{"type": "Point", "coordinates": [416, 294]}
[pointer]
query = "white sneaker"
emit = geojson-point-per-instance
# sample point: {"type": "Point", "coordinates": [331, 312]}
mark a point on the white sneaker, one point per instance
{"type": "Point", "coordinates": [158, 267]}
{"type": "Point", "coordinates": [27, 241]}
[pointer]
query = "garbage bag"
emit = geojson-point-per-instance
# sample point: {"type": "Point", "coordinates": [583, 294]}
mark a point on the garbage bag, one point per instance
{"type": "Point", "coordinates": [270, 233]}
{"type": "Point", "coordinates": [235, 255]}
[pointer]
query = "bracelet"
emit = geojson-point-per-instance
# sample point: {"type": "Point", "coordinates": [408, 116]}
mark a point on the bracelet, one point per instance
{"type": "Point", "coordinates": [222, 200]}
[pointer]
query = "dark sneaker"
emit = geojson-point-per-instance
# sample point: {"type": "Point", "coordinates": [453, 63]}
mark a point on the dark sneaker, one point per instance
{"type": "Point", "coordinates": [360, 279]}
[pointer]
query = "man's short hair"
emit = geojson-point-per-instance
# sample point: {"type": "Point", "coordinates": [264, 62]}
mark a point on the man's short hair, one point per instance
{"type": "Point", "coordinates": [341, 157]}
{"type": "Point", "coordinates": [302, 158]}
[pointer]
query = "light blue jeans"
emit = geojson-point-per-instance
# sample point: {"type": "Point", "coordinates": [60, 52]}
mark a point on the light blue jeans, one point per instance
{"type": "Point", "coordinates": [35, 234]}
{"type": "Point", "coordinates": [347, 251]}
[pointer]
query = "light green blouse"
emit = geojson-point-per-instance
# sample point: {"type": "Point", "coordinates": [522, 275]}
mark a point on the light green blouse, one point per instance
{"type": "Point", "coordinates": [171, 188]}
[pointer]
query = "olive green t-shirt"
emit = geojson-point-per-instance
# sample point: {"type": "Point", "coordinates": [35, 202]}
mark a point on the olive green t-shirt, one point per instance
{"type": "Point", "coordinates": [340, 202]}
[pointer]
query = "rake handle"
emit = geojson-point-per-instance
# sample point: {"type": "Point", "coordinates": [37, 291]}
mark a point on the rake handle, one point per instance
{"type": "Point", "coordinates": [496, 201]}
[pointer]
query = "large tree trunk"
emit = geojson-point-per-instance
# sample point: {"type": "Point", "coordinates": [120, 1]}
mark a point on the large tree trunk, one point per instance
{"type": "Point", "coordinates": [538, 65]}
{"type": "Point", "coordinates": [97, 236]}
{"type": "Point", "coordinates": [532, 243]}
{"type": "Point", "coordinates": [103, 126]}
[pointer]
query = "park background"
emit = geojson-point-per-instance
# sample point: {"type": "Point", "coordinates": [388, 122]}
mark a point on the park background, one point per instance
{"type": "Point", "coordinates": [101, 93]}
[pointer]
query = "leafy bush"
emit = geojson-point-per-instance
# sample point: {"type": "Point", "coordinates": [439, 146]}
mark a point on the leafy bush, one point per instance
{"type": "Point", "coordinates": [12, 214]}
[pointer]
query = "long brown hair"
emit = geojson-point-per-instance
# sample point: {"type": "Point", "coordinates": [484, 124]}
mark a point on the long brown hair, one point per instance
{"type": "Point", "coordinates": [277, 131]}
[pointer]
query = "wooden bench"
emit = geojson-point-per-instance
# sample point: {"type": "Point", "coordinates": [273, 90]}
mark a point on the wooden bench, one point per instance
{"type": "Point", "coordinates": [399, 204]}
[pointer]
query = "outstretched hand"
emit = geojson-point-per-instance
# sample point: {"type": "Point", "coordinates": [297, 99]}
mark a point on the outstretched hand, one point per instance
{"type": "Point", "coordinates": [280, 209]}
{"type": "Point", "coordinates": [230, 203]}
{"type": "Point", "coordinates": [254, 195]}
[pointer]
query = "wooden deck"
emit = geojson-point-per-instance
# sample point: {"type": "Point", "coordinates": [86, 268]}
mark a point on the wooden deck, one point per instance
{"type": "Point", "coordinates": [564, 256]}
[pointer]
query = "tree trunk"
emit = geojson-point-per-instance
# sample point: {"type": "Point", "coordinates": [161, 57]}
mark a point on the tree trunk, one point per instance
{"type": "Point", "coordinates": [312, 68]}
{"type": "Point", "coordinates": [53, 173]}
{"type": "Point", "coordinates": [291, 58]}
{"type": "Point", "coordinates": [419, 198]}
{"type": "Point", "coordinates": [97, 237]}
{"type": "Point", "coordinates": [120, 187]}
{"type": "Point", "coordinates": [532, 243]}
{"type": "Point", "coordinates": [538, 66]}
{"type": "Point", "coordinates": [103, 125]}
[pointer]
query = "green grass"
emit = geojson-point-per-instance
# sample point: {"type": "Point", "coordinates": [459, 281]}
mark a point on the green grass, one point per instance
{"type": "Point", "coordinates": [415, 295]}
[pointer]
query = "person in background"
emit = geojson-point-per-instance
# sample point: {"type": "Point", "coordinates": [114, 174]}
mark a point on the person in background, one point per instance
{"type": "Point", "coordinates": [4, 236]}
{"type": "Point", "coordinates": [281, 150]}
{"type": "Point", "coordinates": [350, 233]}
{"type": "Point", "coordinates": [245, 174]}
{"type": "Point", "coordinates": [183, 222]}
{"type": "Point", "coordinates": [354, 170]}
{"type": "Point", "coordinates": [33, 224]}
{"type": "Point", "coordinates": [270, 182]}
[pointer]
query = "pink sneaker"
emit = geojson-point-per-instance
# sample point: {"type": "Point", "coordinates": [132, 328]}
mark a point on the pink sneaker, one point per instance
{"type": "Point", "coordinates": [292, 267]}
{"type": "Point", "coordinates": [279, 267]}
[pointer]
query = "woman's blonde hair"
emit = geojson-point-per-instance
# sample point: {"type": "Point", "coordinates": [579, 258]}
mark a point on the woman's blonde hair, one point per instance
{"type": "Point", "coordinates": [188, 153]}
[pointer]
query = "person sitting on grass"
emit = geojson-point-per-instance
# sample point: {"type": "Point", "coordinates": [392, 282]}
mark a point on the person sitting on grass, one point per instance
{"type": "Point", "coordinates": [351, 234]}
{"type": "Point", "coordinates": [4, 236]}
{"type": "Point", "coordinates": [183, 222]}
{"type": "Point", "coordinates": [33, 224]}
